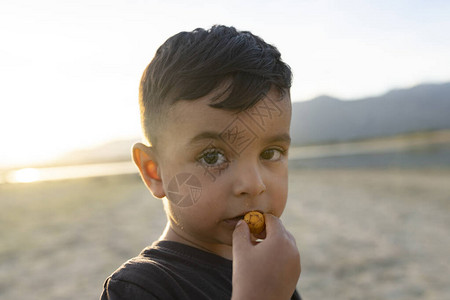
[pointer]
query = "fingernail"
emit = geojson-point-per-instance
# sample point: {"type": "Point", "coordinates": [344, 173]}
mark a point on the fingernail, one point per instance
{"type": "Point", "coordinates": [239, 223]}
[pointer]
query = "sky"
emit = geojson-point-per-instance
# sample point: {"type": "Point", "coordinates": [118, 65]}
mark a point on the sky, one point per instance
{"type": "Point", "coordinates": [70, 70]}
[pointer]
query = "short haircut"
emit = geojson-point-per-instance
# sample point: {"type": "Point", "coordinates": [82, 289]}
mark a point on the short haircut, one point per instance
{"type": "Point", "coordinates": [190, 65]}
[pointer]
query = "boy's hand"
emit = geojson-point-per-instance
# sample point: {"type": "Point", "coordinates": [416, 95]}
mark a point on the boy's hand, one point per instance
{"type": "Point", "coordinates": [266, 270]}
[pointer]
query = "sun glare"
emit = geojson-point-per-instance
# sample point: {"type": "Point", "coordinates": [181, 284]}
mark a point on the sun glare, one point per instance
{"type": "Point", "coordinates": [24, 175]}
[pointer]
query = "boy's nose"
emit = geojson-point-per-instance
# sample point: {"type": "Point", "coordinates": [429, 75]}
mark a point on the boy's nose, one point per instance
{"type": "Point", "coordinates": [248, 181]}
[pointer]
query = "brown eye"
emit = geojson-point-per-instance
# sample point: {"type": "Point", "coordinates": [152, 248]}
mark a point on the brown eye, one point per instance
{"type": "Point", "coordinates": [212, 158]}
{"type": "Point", "coordinates": [271, 154]}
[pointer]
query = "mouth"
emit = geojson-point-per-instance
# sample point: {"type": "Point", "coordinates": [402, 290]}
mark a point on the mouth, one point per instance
{"type": "Point", "coordinates": [235, 220]}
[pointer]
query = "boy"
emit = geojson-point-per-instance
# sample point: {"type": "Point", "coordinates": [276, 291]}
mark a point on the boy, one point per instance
{"type": "Point", "coordinates": [215, 110]}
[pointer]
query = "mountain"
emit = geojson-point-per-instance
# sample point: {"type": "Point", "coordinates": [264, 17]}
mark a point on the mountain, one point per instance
{"type": "Point", "coordinates": [325, 119]}
{"type": "Point", "coordinates": [117, 150]}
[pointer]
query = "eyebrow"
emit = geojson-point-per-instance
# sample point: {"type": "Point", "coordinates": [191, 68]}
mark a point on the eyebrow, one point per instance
{"type": "Point", "coordinates": [284, 137]}
{"type": "Point", "coordinates": [212, 135]}
{"type": "Point", "coordinates": [206, 135]}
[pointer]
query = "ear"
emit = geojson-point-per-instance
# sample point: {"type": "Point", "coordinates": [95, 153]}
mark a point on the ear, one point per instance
{"type": "Point", "coordinates": [145, 159]}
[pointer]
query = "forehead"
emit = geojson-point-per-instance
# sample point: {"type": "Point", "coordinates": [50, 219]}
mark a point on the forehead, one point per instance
{"type": "Point", "coordinates": [188, 119]}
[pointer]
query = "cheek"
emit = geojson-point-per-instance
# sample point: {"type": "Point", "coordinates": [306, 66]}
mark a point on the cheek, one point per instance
{"type": "Point", "coordinates": [279, 193]}
{"type": "Point", "coordinates": [214, 199]}
{"type": "Point", "coordinates": [184, 189]}
{"type": "Point", "coordinates": [191, 194]}
{"type": "Point", "coordinates": [184, 183]}
{"type": "Point", "coordinates": [202, 216]}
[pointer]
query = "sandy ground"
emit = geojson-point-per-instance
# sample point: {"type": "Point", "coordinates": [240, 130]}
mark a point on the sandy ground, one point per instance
{"type": "Point", "coordinates": [363, 234]}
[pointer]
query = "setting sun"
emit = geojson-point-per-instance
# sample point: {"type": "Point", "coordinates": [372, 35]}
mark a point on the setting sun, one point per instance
{"type": "Point", "coordinates": [24, 175]}
{"type": "Point", "coordinates": [70, 70]}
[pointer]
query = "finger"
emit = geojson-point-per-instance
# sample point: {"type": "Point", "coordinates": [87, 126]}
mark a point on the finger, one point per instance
{"type": "Point", "coordinates": [261, 235]}
{"type": "Point", "coordinates": [241, 236]}
{"type": "Point", "coordinates": [273, 225]}
{"type": "Point", "coordinates": [291, 237]}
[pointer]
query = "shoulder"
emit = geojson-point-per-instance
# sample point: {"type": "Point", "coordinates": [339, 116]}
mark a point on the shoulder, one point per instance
{"type": "Point", "coordinates": [296, 296]}
{"type": "Point", "coordinates": [142, 277]}
{"type": "Point", "coordinates": [169, 270]}
{"type": "Point", "coordinates": [117, 289]}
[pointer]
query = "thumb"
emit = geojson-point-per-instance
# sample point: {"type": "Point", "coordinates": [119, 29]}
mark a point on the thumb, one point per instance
{"type": "Point", "coordinates": [241, 236]}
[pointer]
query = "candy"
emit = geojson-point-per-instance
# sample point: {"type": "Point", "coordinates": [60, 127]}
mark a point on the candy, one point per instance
{"type": "Point", "coordinates": [255, 221]}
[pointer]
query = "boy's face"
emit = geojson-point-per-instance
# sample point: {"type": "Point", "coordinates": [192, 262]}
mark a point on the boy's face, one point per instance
{"type": "Point", "coordinates": [216, 165]}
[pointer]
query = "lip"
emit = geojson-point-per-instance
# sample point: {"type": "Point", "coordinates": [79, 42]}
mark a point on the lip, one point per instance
{"type": "Point", "coordinates": [233, 221]}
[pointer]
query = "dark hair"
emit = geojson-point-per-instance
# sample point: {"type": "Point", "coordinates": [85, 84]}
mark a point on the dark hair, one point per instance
{"type": "Point", "coordinates": [190, 65]}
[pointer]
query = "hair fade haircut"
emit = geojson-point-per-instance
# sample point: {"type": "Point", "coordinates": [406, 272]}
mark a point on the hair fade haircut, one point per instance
{"type": "Point", "coordinates": [190, 65]}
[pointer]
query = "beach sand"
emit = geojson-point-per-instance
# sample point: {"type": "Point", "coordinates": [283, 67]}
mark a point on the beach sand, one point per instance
{"type": "Point", "coordinates": [362, 233]}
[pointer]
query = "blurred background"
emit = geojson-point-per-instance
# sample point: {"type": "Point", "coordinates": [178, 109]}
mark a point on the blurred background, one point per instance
{"type": "Point", "coordinates": [369, 196]}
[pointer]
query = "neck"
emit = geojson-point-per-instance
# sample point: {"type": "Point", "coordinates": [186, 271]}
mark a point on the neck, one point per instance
{"type": "Point", "coordinates": [172, 234]}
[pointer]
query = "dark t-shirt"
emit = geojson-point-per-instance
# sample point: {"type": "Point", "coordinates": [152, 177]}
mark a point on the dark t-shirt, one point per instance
{"type": "Point", "coordinates": [170, 270]}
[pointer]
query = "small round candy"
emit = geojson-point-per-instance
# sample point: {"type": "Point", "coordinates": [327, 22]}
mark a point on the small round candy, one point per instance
{"type": "Point", "coordinates": [255, 221]}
